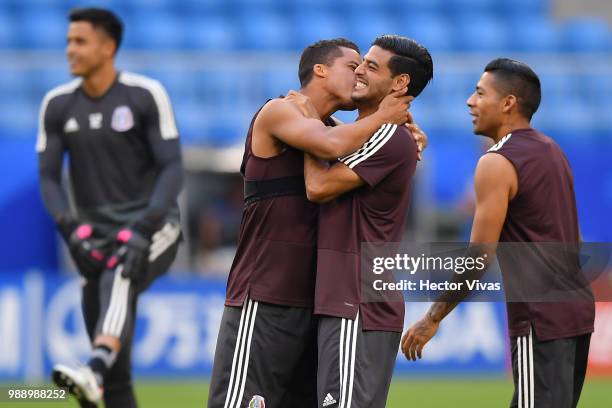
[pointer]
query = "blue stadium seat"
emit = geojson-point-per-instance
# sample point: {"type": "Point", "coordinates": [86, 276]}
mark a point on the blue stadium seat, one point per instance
{"type": "Point", "coordinates": [158, 31]}
{"type": "Point", "coordinates": [310, 26]}
{"type": "Point", "coordinates": [151, 5]}
{"type": "Point", "coordinates": [554, 114]}
{"type": "Point", "coordinates": [8, 34]}
{"type": "Point", "coordinates": [472, 6]}
{"type": "Point", "coordinates": [597, 88]}
{"type": "Point", "coordinates": [14, 82]}
{"type": "Point", "coordinates": [198, 6]}
{"type": "Point", "coordinates": [532, 34]}
{"type": "Point", "coordinates": [555, 86]}
{"type": "Point", "coordinates": [189, 118]}
{"type": "Point", "coordinates": [430, 29]}
{"type": "Point", "coordinates": [254, 6]}
{"type": "Point", "coordinates": [279, 81]}
{"type": "Point", "coordinates": [209, 32]}
{"type": "Point", "coordinates": [587, 35]}
{"type": "Point", "coordinates": [527, 8]}
{"type": "Point", "coordinates": [46, 79]}
{"type": "Point", "coordinates": [479, 33]}
{"type": "Point", "coordinates": [364, 27]}
{"type": "Point", "coordinates": [313, 6]}
{"type": "Point", "coordinates": [224, 133]}
{"type": "Point", "coordinates": [413, 6]}
{"type": "Point", "coordinates": [263, 31]}
{"type": "Point", "coordinates": [43, 28]}
{"type": "Point", "coordinates": [562, 101]}
{"type": "Point", "coordinates": [19, 116]}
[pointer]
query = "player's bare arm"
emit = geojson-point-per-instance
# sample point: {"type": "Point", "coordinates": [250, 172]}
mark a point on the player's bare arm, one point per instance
{"type": "Point", "coordinates": [324, 182]}
{"type": "Point", "coordinates": [495, 184]}
{"type": "Point", "coordinates": [305, 106]}
{"type": "Point", "coordinates": [282, 122]}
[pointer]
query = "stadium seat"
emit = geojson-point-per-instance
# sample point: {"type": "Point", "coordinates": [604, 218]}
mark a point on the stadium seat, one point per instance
{"type": "Point", "coordinates": [527, 8]}
{"type": "Point", "coordinates": [202, 6]}
{"type": "Point", "coordinates": [42, 28]}
{"type": "Point", "coordinates": [429, 29]}
{"type": "Point", "coordinates": [189, 119]}
{"type": "Point", "coordinates": [8, 35]}
{"type": "Point", "coordinates": [46, 79]}
{"type": "Point", "coordinates": [597, 88]}
{"type": "Point", "coordinates": [310, 26]}
{"type": "Point", "coordinates": [553, 115]}
{"type": "Point", "coordinates": [313, 6]}
{"type": "Point", "coordinates": [263, 31]}
{"type": "Point", "coordinates": [532, 34]}
{"type": "Point", "coordinates": [364, 27]}
{"type": "Point", "coordinates": [479, 33]}
{"type": "Point", "coordinates": [472, 6]}
{"type": "Point", "coordinates": [209, 32]}
{"type": "Point", "coordinates": [279, 81]}
{"type": "Point", "coordinates": [412, 6]}
{"type": "Point", "coordinates": [158, 31]}
{"type": "Point", "coordinates": [254, 6]}
{"type": "Point", "coordinates": [587, 35]}
{"type": "Point", "coordinates": [19, 116]}
{"type": "Point", "coordinates": [13, 81]}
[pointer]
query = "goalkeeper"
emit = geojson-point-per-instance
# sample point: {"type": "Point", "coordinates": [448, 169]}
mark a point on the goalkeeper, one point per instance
{"type": "Point", "coordinates": [121, 140]}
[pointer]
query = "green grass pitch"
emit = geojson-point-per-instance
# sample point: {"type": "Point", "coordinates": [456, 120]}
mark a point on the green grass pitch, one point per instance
{"type": "Point", "coordinates": [405, 392]}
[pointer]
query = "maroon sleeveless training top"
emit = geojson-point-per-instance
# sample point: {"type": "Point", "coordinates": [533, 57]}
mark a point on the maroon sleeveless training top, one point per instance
{"type": "Point", "coordinates": [275, 260]}
{"type": "Point", "coordinates": [543, 211]}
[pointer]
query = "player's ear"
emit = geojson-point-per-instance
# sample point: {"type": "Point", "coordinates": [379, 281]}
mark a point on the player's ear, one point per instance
{"type": "Point", "coordinates": [108, 46]}
{"type": "Point", "coordinates": [400, 81]}
{"type": "Point", "coordinates": [319, 70]}
{"type": "Point", "coordinates": [509, 102]}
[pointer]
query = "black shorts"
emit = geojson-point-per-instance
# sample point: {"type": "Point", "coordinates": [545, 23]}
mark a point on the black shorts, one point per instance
{"type": "Point", "coordinates": [548, 374]}
{"type": "Point", "coordinates": [266, 354]}
{"type": "Point", "coordinates": [354, 366]}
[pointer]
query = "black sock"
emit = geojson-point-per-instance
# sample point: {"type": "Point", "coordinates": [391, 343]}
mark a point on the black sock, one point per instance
{"type": "Point", "coordinates": [102, 359]}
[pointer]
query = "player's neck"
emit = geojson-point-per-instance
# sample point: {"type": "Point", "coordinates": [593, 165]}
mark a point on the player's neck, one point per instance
{"type": "Point", "coordinates": [509, 127]}
{"type": "Point", "coordinates": [324, 104]}
{"type": "Point", "coordinates": [366, 110]}
{"type": "Point", "coordinates": [98, 83]}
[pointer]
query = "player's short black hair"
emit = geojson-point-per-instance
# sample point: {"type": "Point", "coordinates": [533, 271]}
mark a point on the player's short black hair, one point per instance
{"type": "Point", "coordinates": [321, 52]}
{"type": "Point", "coordinates": [102, 19]}
{"type": "Point", "coordinates": [517, 78]}
{"type": "Point", "coordinates": [410, 58]}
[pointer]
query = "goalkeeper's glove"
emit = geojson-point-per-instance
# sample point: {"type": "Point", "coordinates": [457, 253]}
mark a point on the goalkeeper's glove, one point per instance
{"type": "Point", "coordinates": [87, 252]}
{"type": "Point", "coordinates": [132, 252]}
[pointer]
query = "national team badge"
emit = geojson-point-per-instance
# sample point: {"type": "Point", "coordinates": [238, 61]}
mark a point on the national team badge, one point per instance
{"type": "Point", "coordinates": [123, 119]}
{"type": "Point", "coordinates": [257, 402]}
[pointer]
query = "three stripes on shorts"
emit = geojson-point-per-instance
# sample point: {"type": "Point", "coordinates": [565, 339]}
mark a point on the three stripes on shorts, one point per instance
{"type": "Point", "coordinates": [347, 347]}
{"type": "Point", "coordinates": [524, 353]}
{"type": "Point", "coordinates": [240, 361]}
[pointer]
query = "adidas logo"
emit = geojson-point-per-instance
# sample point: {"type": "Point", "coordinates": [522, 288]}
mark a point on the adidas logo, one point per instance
{"type": "Point", "coordinates": [328, 400]}
{"type": "Point", "coordinates": [71, 126]}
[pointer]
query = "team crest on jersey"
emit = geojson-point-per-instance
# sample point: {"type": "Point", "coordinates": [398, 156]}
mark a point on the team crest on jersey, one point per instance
{"type": "Point", "coordinates": [257, 402]}
{"type": "Point", "coordinates": [123, 119]}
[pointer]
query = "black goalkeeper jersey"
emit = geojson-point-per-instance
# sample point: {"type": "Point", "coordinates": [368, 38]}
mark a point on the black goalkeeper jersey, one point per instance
{"type": "Point", "coordinates": [118, 145]}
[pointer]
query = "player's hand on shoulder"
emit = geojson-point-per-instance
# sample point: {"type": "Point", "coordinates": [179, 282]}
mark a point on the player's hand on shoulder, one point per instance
{"type": "Point", "coordinates": [303, 103]}
{"type": "Point", "coordinates": [417, 336]}
{"type": "Point", "coordinates": [420, 137]}
{"type": "Point", "coordinates": [394, 107]}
